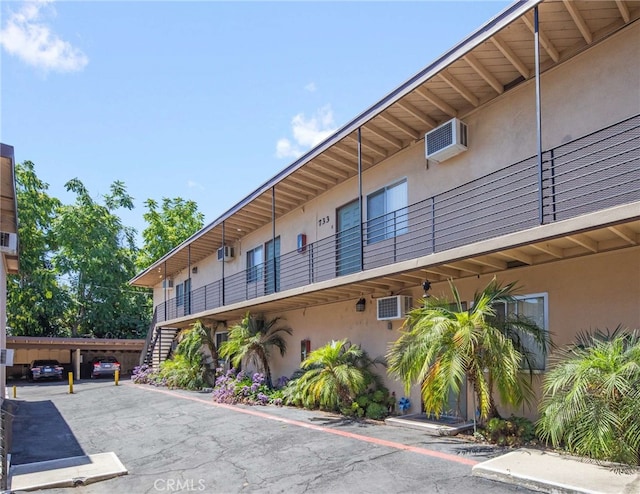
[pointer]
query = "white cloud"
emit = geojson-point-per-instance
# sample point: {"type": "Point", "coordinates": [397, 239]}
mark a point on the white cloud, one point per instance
{"type": "Point", "coordinates": [311, 87]}
{"type": "Point", "coordinates": [192, 184]}
{"type": "Point", "coordinates": [307, 132]}
{"type": "Point", "coordinates": [25, 35]}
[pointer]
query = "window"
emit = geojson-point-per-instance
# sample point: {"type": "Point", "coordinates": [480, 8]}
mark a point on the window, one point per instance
{"type": "Point", "coordinates": [179, 294]}
{"type": "Point", "coordinates": [254, 264]}
{"type": "Point", "coordinates": [534, 309]}
{"type": "Point", "coordinates": [387, 212]}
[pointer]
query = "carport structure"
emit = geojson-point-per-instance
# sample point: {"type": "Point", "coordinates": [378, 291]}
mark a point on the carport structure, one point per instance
{"type": "Point", "coordinates": [72, 351]}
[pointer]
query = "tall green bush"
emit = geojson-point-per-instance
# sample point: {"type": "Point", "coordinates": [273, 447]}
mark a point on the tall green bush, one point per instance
{"type": "Point", "coordinates": [591, 402]}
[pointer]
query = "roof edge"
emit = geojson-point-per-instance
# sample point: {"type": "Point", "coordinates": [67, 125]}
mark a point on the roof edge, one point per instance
{"type": "Point", "coordinates": [496, 23]}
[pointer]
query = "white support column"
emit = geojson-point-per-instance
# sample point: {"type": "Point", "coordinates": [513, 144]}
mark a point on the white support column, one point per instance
{"type": "Point", "coordinates": [76, 362]}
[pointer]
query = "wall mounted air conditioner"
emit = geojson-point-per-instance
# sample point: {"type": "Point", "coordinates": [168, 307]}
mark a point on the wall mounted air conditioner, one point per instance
{"type": "Point", "coordinates": [396, 307]}
{"type": "Point", "coordinates": [167, 283]}
{"type": "Point", "coordinates": [8, 243]}
{"type": "Point", "coordinates": [225, 253]}
{"type": "Point", "coordinates": [446, 140]}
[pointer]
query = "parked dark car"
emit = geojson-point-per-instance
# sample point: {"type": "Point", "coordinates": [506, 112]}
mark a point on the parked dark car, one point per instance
{"type": "Point", "coordinates": [45, 369]}
{"type": "Point", "coordinates": [104, 366]}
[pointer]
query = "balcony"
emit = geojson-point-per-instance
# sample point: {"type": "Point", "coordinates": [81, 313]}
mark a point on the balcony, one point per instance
{"type": "Point", "coordinates": [587, 175]}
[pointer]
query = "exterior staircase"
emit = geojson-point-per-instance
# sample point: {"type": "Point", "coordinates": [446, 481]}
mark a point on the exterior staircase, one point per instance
{"type": "Point", "coordinates": [159, 344]}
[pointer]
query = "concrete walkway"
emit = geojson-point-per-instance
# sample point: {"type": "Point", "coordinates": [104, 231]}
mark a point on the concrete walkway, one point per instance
{"type": "Point", "coordinates": [555, 473]}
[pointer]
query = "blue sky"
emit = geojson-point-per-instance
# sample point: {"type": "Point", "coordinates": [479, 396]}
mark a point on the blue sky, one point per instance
{"type": "Point", "coordinates": [202, 100]}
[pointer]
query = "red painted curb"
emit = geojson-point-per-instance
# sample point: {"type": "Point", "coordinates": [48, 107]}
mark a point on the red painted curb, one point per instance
{"type": "Point", "coordinates": [297, 423]}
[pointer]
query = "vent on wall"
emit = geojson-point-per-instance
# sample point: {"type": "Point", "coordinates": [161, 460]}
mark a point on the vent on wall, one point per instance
{"type": "Point", "coordinates": [446, 141]}
{"type": "Point", "coordinates": [390, 308]}
{"type": "Point", "coordinates": [8, 243]}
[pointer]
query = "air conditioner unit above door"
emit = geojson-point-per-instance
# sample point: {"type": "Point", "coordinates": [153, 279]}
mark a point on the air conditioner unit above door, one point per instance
{"type": "Point", "coordinates": [389, 308]}
{"type": "Point", "coordinates": [225, 253]}
{"type": "Point", "coordinates": [446, 140]}
{"type": "Point", "coordinates": [168, 283]}
{"type": "Point", "coordinates": [9, 243]}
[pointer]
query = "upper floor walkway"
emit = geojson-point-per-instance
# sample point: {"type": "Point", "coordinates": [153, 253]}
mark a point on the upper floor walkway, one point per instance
{"type": "Point", "coordinates": [578, 198]}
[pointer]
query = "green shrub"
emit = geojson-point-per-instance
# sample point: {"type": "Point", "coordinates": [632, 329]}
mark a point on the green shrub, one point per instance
{"type": "Point", "coordinates": [180, 372]}
{"type": "Point", "coordinates": [591, 402]}
{"type": "Point", "coordinates": [376, 411]}
{"type": "Point", "coordinates": [514, 431]}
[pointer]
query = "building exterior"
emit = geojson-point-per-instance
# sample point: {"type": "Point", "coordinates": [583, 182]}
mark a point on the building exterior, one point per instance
{"type": "Point", "coordinates": [515, 155]}
{"type": "Point", "coordinates": [8, 243]}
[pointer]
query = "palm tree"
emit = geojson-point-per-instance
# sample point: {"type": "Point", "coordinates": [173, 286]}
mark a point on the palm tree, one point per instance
{"type": "Point", "coordinates": [252, 340]}
{"type": "Point", "coordinates": [442, 344]}
{"type": "Point", "coordinates": [591, 400]}
{"type": "Point", "coordinates": [333, 376]}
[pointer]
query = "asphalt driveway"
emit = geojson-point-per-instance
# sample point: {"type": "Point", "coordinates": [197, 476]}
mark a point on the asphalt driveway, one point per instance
{"type": "Point", "coordinates": [177, 441]}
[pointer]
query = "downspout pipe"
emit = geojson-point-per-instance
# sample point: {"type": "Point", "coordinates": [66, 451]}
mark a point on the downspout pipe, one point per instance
{"type": "Point", "coordinates": [536, 40]}
{"type": "Point", "coordinates": [360, 198]}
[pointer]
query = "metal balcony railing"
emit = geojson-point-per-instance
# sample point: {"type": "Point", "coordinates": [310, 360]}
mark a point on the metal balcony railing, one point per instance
{"type": "Point", "coordinates": [589, 174]}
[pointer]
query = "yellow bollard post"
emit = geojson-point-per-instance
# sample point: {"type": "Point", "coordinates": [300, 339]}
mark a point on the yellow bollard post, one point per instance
{"type": "Point", "coordinates": [15, 392]}
{"type": "Point", "coordinates": [117, 377]}
{"type": "Point", "coordinates": [70, 383]}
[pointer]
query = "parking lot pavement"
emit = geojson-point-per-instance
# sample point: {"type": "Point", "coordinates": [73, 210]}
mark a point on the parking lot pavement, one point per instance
{"type": "Point", "coordinates": [178, 441]}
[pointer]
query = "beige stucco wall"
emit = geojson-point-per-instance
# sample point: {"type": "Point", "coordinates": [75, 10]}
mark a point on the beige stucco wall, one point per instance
{"type": "Point", "coordinates": [593, 90]}
{"type": "Point", "coordinates": [582, 293]}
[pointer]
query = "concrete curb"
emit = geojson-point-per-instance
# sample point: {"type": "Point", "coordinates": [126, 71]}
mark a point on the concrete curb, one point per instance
{"type": "Point", "coordinates": [65, 472]}
{"type": "Point", "coordinates": [555, 473]}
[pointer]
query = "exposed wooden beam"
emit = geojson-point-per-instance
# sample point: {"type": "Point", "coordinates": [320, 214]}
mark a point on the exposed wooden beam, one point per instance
{"type": "Point", "coordinates": [625, 233]}
{"type": "Point", "coordinates": [438, 102]}
{"type": "Point", "coordinates": [353, 153]}
{"type": "Point", "coordinates": [265, 204]}
{"type": "Point", "coordinates": [444, 272]}
{"type": "Point", "coordinates": [578, 20]}
{"type": "Point", "coordinates": [248, 218]}
{"type": "Point", "coordinates": [511, 56]}
{"type": "Point", "coordinates": [401, 126]}
{"type": "Point", "coordinates": [464, 91]}
{"type": "Point", "coordinates": [516, 255]}
{"type": "Point", "coordinates": [584, 241]}
{"type": "Point", "coordinates": [484, 73]}
{"type": "Point", "coordinates": [544, 39]}
{"type": "Point", "coordinates": [490, 261]}
{"type": "Point", "coordinates": [305, 180]}
{"type": "Point", "coordinates": [293, 194]}
{"type": "Point", "coordinates": [331, 169]}
{"type": "Point", "coordinates": [384, 135]}
{"type": "Point", "coordinates": [419, 114]}
{"type": "Point", "coordinates": [465, 266]}
{"type": "Point", "coordinates": [624, 11]}
{"type": "Point", "coordinates": [549, 249]}
{"type": "Point", "coordinates": [366, 143]}
{"type": "Point", "coordinates": [318, 175]}
{"type": "Point", "coordinates": [284, 184]}
{"type": "Point", "coordinates": [339, 159]}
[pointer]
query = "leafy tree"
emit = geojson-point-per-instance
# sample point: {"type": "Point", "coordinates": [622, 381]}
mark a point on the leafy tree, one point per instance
{"type": "Point", "coordinates": [441, 344]}
{"type": "Point", "coordinates": [251, 342]}
{"type": "Point", "coordinates": [36, 302]}
{"type": "Point", "coordinates": [591, 401]}
{"type": "Point", "coordinates": [95, 257]}
{"type": "Point", "coordinates": [334, 375]}
{"type": "Point", "coordinates": [168, 226]}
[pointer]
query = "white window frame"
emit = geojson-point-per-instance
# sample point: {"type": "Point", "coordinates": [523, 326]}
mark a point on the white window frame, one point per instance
{"type": "Point", "coordinates": [384, 231]}
{"type": "Point", "coordinates": [254, 270]}
{"type": "Point", "coordinates": [545, 298]}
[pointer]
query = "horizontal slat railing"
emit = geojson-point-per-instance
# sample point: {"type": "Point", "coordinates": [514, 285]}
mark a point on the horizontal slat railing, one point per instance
{"type": "Point", "coordinates": [589, 174]}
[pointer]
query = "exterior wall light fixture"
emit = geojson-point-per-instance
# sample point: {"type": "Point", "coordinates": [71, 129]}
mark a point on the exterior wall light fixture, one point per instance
{"type": "Point", "coordinates": [360, 305]}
